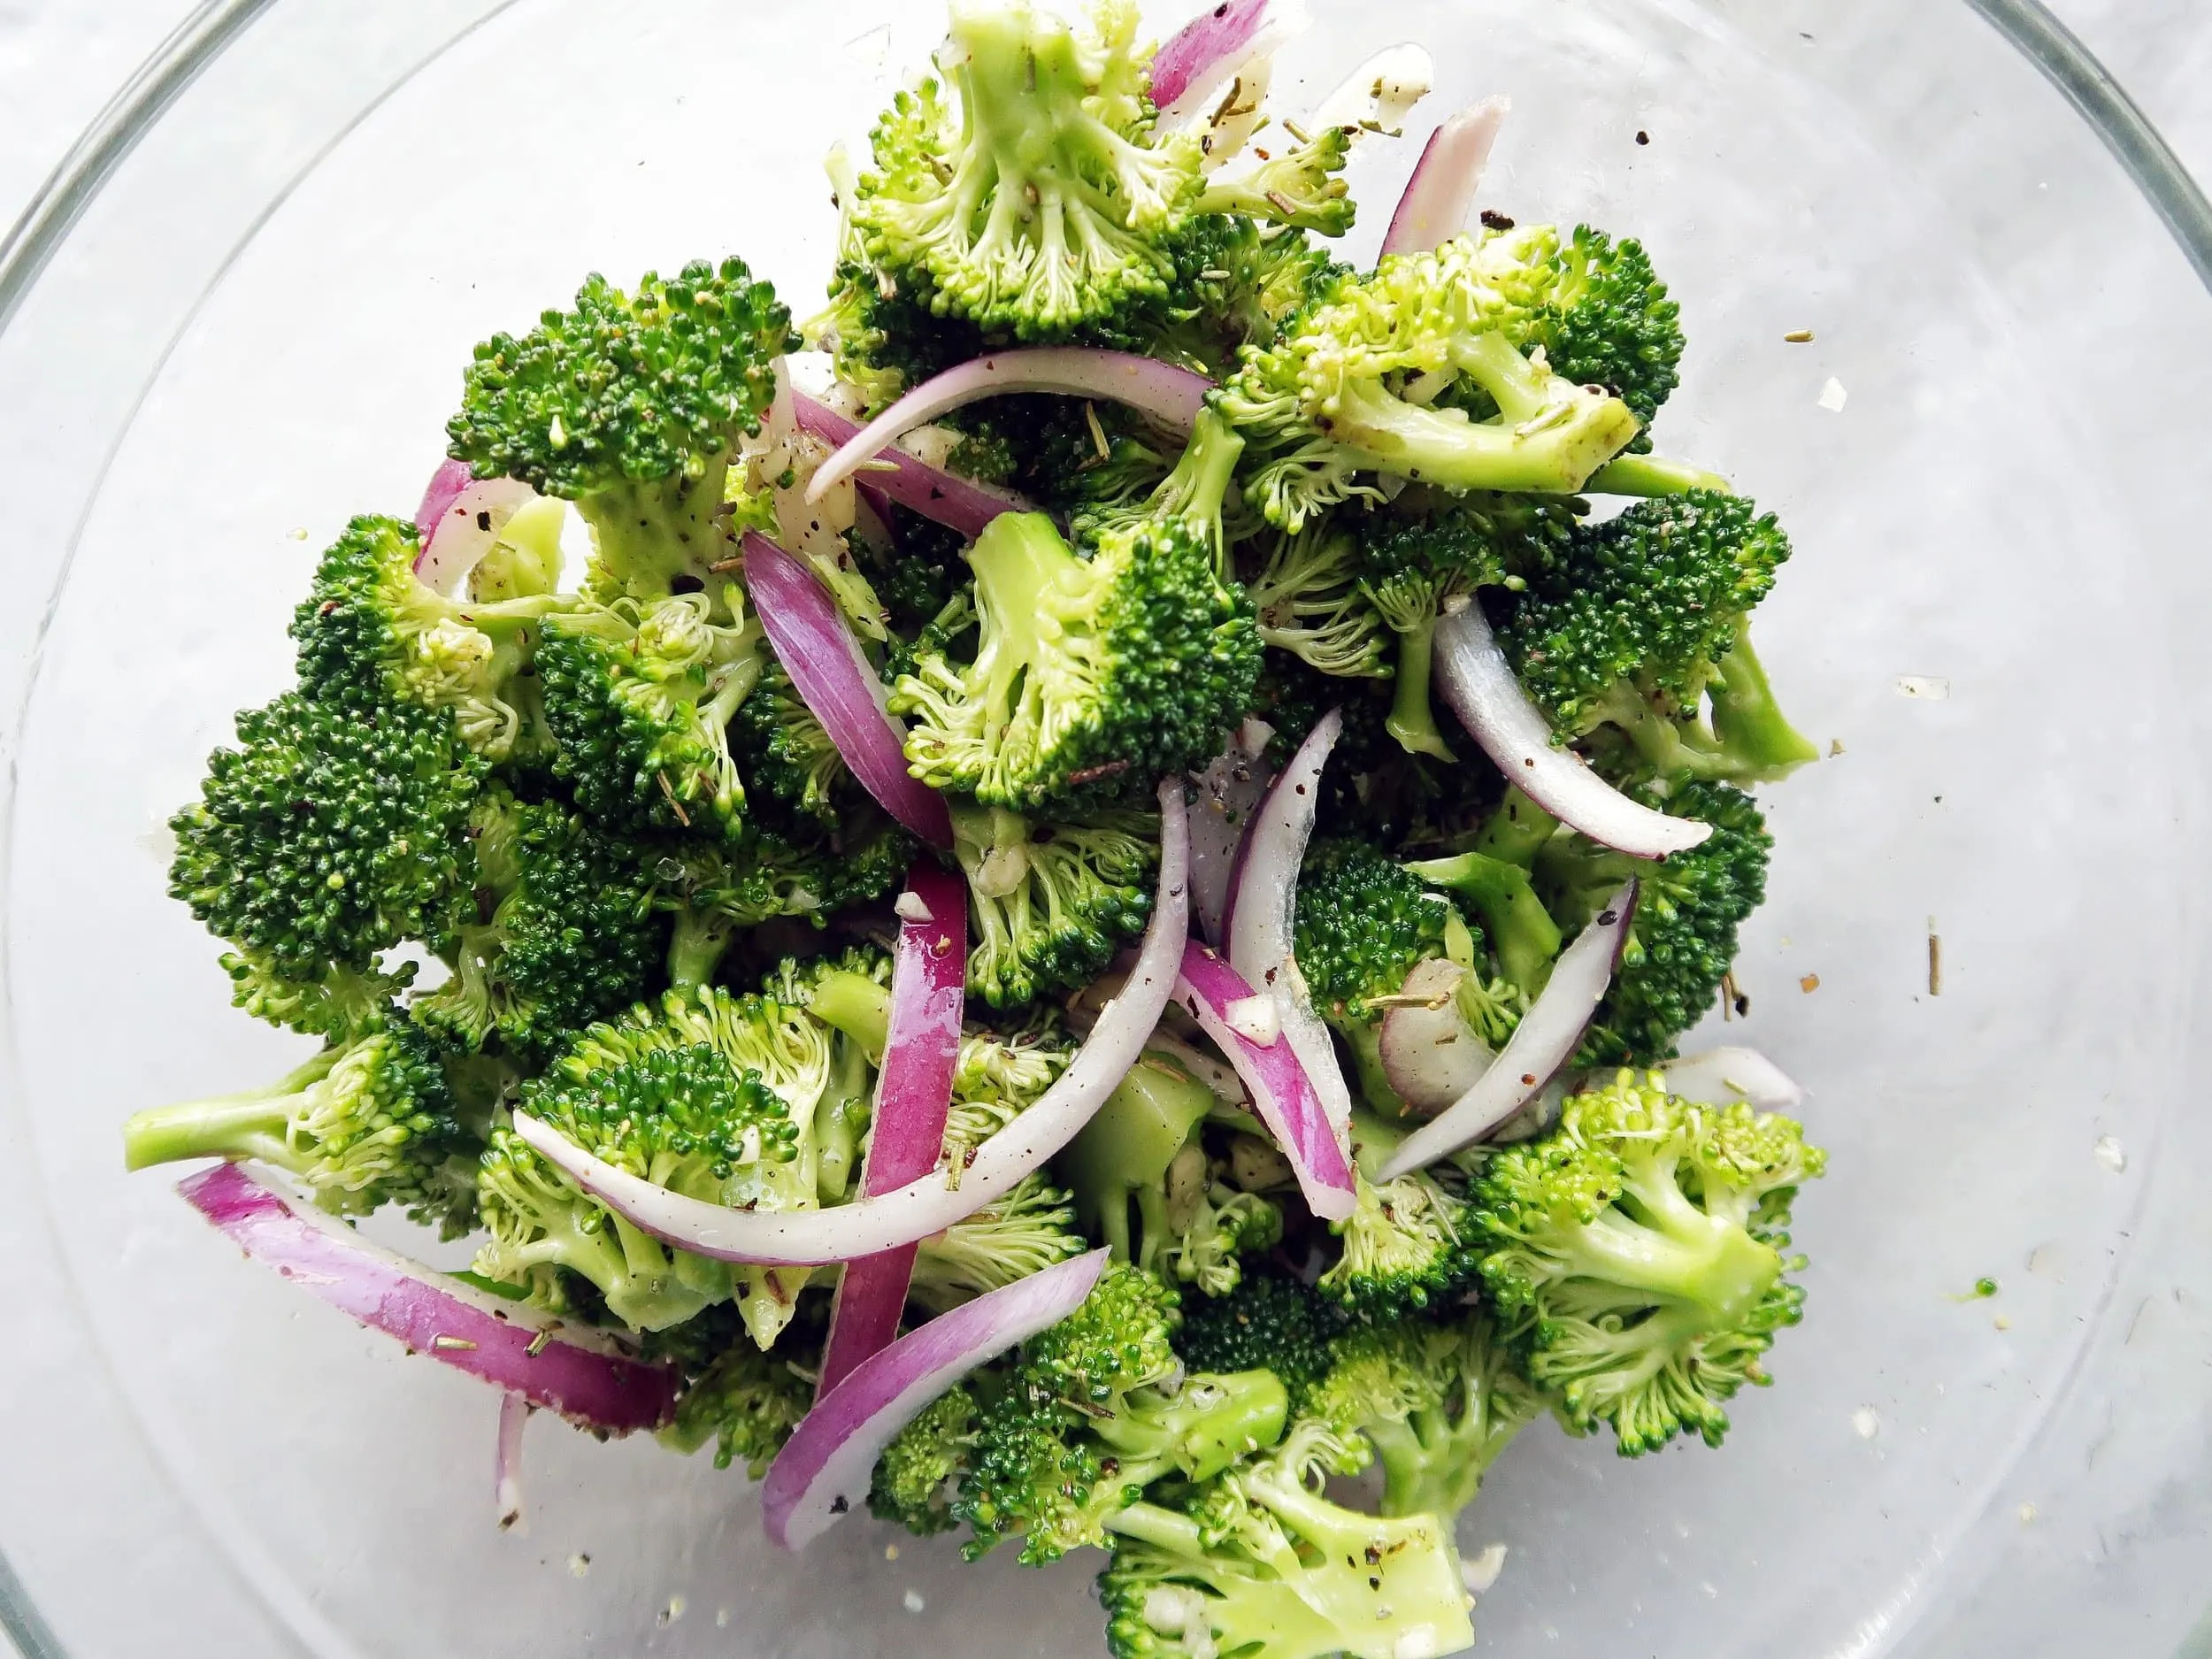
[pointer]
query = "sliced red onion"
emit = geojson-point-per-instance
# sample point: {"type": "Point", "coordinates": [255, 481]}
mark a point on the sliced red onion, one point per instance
{"type": "Point", "coordinates": [1197, 59]}
{"type": "Point", "coordinates": [514, 1411]}
{"type": "Point", "coordinates": [929, 980]}
{"type": "Point", "coordinates": [1168, 395]}
{"type": "Point", "coordinates": [1258, 933]}
{"type": "Point", "coordinates": [1476, 679]}
{"type": "Point", "coordinates": [958, 503]}
{"type": "Point", "coordinates": [1228, 789]}
{"type": "Point", "coordinates": [872, 519]}
{"type": "Point", "coordinates": [467, 529]}
{"type": "Point", "coordinates": [1382, 91]}
{"type": "Point", "coordinates": [1429, 1053]}
{"type": "Point", "coordinates": [584, 1377]}
{"type": "Point", "coordinates": [1722, 1076]}
{"type": "Point", "coordinates": [824, 1471]}
{"type": "Point", "coordinates": [1281, 1091]}
{"type": "Point", "coordinates": [818, 649]}
{"type": "Point", "coordinates": [451, 478]}
{"type": "Point", "coordinates": [798, 1238]}
{"type": "Point", "coordinates": [1441, 191]}
{"type": "Point", "coordinates": [1540, 1045]}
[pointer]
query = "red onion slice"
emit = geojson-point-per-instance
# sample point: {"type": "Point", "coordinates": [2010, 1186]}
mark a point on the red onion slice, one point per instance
{"type": "Point", "coordinates": [1724, 1076]}
{"type": "Point", "coordinates": [1258, 933]}
{"type": "Point", "coordinates": [798, 1238]}
{"type": "Point", "coordinates": [467, 529]}
{"type": "Point", "coordinates": [585, 1379]}
{"type": "Point", "coordinates": [1479, 684]}
{"type": "Point", "coordinates": [947, 498]}
{"type": "Point", "coordinates": [451, 478]}
{"type": "Point", "coordinates": [1542, 1044]}
{"type": "Point", "coordinates": [1281, 1090]}
{"type": "Point", "coordinates": [929, 979]}
{"type": "Point", "coordinates": [1195, 61]}
{"type": "Point", "coordinates": [818, 649]}
{"type": "Point", "coordinates": [1228, 790]}
{"type": "Point", "coordinates": [1441, 191]}
{"type": "Point", "coordinates": [1168, 395]}
{"type": "Point", "coordinates": [514, 1412]}
{"type": "Point", "coordinates": [1429, 1053]}
{"type": "Point", "coordinates": [824, 1469]}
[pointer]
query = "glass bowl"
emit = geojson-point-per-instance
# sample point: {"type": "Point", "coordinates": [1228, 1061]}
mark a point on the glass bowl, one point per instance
{"type": "Point", "coordinates": [240, 318]}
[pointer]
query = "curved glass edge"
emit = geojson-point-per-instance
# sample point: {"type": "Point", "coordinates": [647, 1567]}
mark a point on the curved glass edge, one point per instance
{"type": "Point", "coordinates": [30, 243]}
{"type": "Point", "coordinates": [113, 134]}
{"type": "Point", "coordinates": [2071, 67]}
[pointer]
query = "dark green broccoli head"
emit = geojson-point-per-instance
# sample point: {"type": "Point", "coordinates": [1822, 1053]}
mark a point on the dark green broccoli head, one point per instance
{"type": "Point", "coordinates": [639, 696]}
{"type": "Point", "coordinates": [1610, 322]}
{"type": "Point", "coordinates": [785, 750]}
{"type": "Point", "coordinates": [746, 1403]}
{"type": "Point", "coordinates": [367, 1121]}
{"type": "Point", "coordinates": [1270, 1322]}
{"type": "Point", "coordinates": [326, 837]}
{"type": "Point", "coordinates": [1634, 1254]}
{"type": "Point", "coordinates": [1363, 925]}
{"type": "Point", "coordinates": [1051, 904]}
{"type": "Point", "coordinates": [1682, 940]}
{"type": "Point", "coordinates": [1235, 283]}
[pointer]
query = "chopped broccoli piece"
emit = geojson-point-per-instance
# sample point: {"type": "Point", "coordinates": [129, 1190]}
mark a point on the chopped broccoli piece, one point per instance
{"type": "Point", "coordinates": [1270, 1322]}
{"type": "Point", "coordinates": [369, 1121]}
{"type": "Point", "coordinates": [746, 1403]}
{"type": "Point", "coordinates": [787, 751]}
{"type": "Point", "coordinates": [1408, 1243]}
{"type": "Point", "coordinates": [1036, 198]}
{"type": "Point", "coordinates": [1312, 602]}
{"type": "Point", "coordinates": [717, 890]}
{"type": "Point", "coordinates": [1634, 1253]}
{"type": "Point", "coordinates": [1234, 284]}
{"type": "Point", "coordinates": [1609, 322]}
{"type": "Point", "coordinates": [1051, 904]}
{"type": "Point", "coordinates": [1363, 924]}
{"type": "Point", "coordinates": [918, 1474]}
{"type": "Point", "coordinates": [1303, 187]}
{"type": "Point", "coordinates": [1027, 1230]}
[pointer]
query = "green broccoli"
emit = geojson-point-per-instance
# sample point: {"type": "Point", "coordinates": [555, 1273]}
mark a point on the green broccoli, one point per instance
{"type": "Point", "coordinates": [1036, 198]}
{"type": "Point", "coordinates": [327, 837]}
{"type": "Point", "coordinates": [557, 930]}
{"type": "Point", "coordinates": [1235, 283]}
{"type": "Point", "coordinates": [1682, 939]}
{"type": "Point", "coordinates": [1494, 879]}
{"type": "Point", "coordinates": [708, 1094]}
{"type": "Point", "coordinates": [1634, 1254]}
{"type": "Point", "coordinates": [1258, 1562]}
{"type": "Point", "coordinates": [1024, 1232]}
{"type": "Point", "coordinates": [1408, 1243]}
{"type": "Point", "coordinates": [1088, 674]}
{"type": "Point", "coordinates": [369, 1121]}
{"type": "Point", "coordinates": [1096, 1409]}
{"type": "Point", "coordinates": [639, 696]}
{"type": "Point", "coordinates": [916, 1479]}
{"type": "Point", "coordinates": [1437, 1401]}
{"type": "Point", "coordinates": [1050, 904]}
{"type": "Point", "coordinates": [1311, 601]}
{"type": "Point", "coordinates": [1143, 1149]}
{"type": "Point", "coordinates": [746, 1403]}
{"type": "Point", "coordinates": [1608, 320]}
{"type": "Point", "coordinates": [370, 633]}
{"type": "Point", "coordinates": [1417, 370]}
{"type": "Point", "coordinates": [1270, 1322]}
{"type": "Point", "coordinates": [1645, 617]}
{"type": "Point", "coordinates": [1301, 188]}
{"type": "Point", "coordinates": [631, 405]}
{"type": "Point", "coordinates": [787, 751]}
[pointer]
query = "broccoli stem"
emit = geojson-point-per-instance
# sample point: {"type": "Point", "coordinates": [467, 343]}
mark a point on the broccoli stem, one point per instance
{"type": "Point", "coordinates": [1671, 1248]}
{"type": "Point", "coordinates": [1527, 938]}
{"type": "Point", "coordinates": [250, 1124]}
{"type": "Point", "coordinates": [696, 946]}
{"type": "Point", "coordinates": [856, 1005]}
{"type": "Point", "coordinates": [1412, 719]}
{"type": "Point", "coordinates": [1517, 830]}
{"type": "Point", "coordinates": [1746, 719]}
{"type": "Point", "coordinates": [1123, 1154]}
{"type": "Point", "coordinates": [1212, 1422]}
{"type": "Point", "coordinates": [648, 532]}
{"type": "Point", "coordinates": [1650, 475]}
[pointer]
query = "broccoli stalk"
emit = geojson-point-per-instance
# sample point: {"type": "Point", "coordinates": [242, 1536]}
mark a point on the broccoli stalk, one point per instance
{"type": "Point", "coordinates": [1262, 1563]}
{"type": "Point", "coordinates": [1514, 919]}
{"type": "Point", "coordinates": [1748, 721]}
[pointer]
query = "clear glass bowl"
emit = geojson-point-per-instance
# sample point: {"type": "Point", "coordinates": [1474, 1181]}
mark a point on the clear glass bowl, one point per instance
{"type": "Point", "coordinates": [242, 317]}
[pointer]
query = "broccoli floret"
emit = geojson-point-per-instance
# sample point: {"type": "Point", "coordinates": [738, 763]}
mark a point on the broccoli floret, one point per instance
{"type": "Point", "coordinates": [1024, 1232]}
{"type": "Point", "coordinates": [1406, 1245]}
{"type": "Point", "coordinates": [631, 406]}
{"type": "Point", "coordinates": [369, 633]}
{"type": "Point", "coordinates": [1494, 879]}
{"type": "Point", "coordinates": [1647, 615]}
{"type": "Point", "coordinates": [1088, 674]}
{"type": "Point", "coordinates": [1412, 569]}
{"type": "Point", "coordinates": [1142, 1152]}
{"type": "Point", "coordinates": [640, 696]}
{"type": "Point", "coordinates": [367, 1121]}
{"type": "Point", "coordinates": [328, 836]}
{"type": "Point", "coordinates": [787, 751]}
{"type": "Point", "coordinates": [1634, 1253]}
{"type": "Point", "coordinates": [1051, 904]}
{"type": "Point", "coordinates": [1301, 186]}
{"type": "Point", "coordinates": [1363, 924]}
{"type": "Point", "coordinates": [1436, 1401]}
{"type": "Point", "coordinates": [1312, 602]}
{"type": "Point", "coordinates": [708, 1094]}
{"type": "Point", "coordinates": [1035, 199]}
{"type": "Point", "coordinates": [746, 1403]}
{"type": "Point", "coordinates": [1259, 1562]}
{"type": "Point", "coordinates": [1609, 322]}
{"type": "Point", "coordinates": [1235, 282]}
{"type": "Point", "coordinates": [1085, 1421]}
{"type": "Point", "coordinates": [1682, 939]}
{"type": "Point", "coordinates": [1417, 370]}
{"type": "Point", "coordinates": [918, 1476]}
{"type": "Point", "coordinates": [1270, 1322]}
{"type": "Point", "coordinates": [557, 931]}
